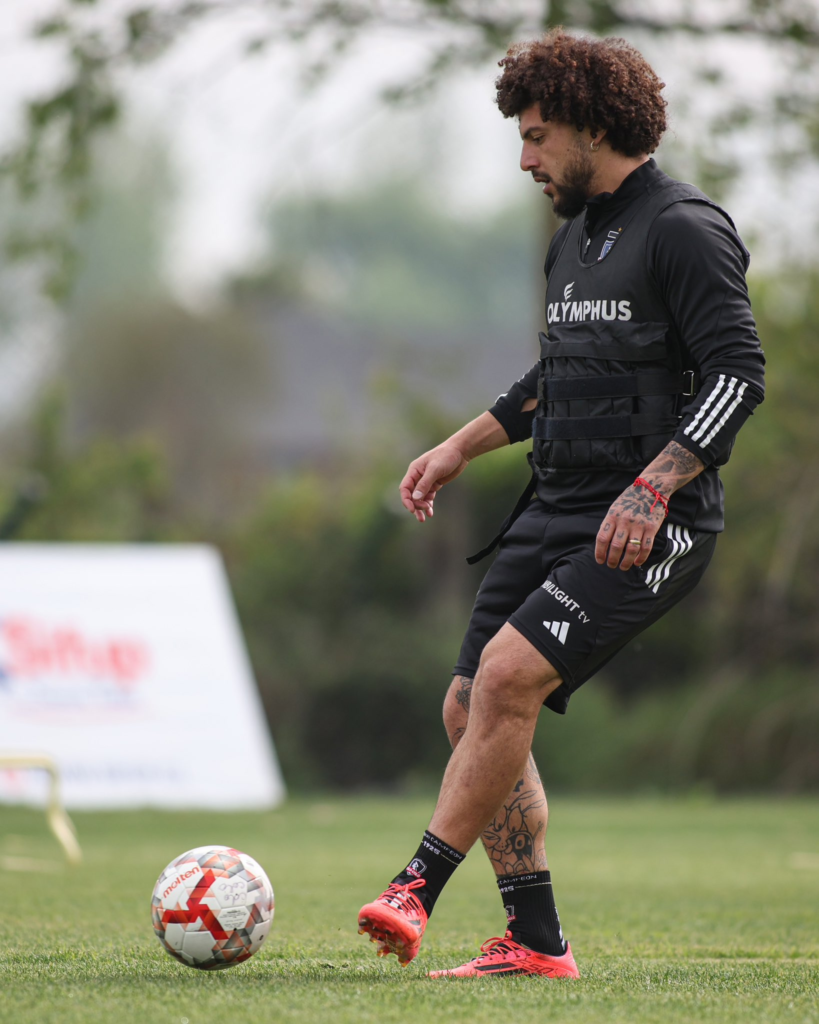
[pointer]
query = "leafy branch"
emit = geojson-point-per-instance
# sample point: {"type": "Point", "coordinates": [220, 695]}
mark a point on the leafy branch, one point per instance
{"type": "Point", "coordinates": [57, 147]}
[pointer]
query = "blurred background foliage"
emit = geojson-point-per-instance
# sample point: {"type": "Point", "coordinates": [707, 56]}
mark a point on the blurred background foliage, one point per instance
{"type": "Point", "coordinates": [152, 429]}
{"type": "Point", "coordinates": [101, 44]}
{"type": "Point", "coordinates": [277, 420]}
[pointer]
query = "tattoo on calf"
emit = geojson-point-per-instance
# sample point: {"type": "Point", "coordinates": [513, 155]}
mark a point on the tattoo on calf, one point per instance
{"type": "Point", "coordinates": [515, 838]}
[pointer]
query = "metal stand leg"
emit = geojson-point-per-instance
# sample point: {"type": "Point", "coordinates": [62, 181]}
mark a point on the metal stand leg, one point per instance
{"type": "Point", "coordinates": [58, 821]}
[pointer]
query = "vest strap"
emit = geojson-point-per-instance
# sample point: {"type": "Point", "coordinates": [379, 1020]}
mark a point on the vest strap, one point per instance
{"type": "Point", "coordinates": [622, 385]}
{"type": "Point", "coordinates": [635, 342]}
{"type": "Point", "coordinates": [509, 521]}
{"type": "Point", "coordinates": [578, 428]}
{"type": "Point", "coordinates": [590, 348]}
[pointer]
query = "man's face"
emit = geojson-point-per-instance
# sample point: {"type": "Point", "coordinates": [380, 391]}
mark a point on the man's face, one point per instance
{"type": "Point", "coordinates": [557, 155]}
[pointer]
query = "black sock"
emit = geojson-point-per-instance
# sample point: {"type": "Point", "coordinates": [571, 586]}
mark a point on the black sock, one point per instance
{"type": "Point", "coordinates": [434, 862]}
{"type": "Point", "coordinates": [531, 913]}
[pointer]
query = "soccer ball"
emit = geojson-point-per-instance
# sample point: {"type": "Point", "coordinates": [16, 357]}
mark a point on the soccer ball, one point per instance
{"type": "Point", "coordinates": [212, 907]}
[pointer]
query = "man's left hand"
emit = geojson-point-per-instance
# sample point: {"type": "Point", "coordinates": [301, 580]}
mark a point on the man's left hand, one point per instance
{"type": "Point", "coordinates": [631, 518]}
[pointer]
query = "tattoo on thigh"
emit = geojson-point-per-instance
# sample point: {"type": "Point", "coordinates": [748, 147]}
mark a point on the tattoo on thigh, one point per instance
{"type": "Point", "coordinates": [464, 694]}
{"type": "Point", "coordinates": [515, 839]}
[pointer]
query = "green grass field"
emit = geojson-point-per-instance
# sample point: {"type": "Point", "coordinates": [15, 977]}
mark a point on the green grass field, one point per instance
{"type": "Point", "coordinates": [676, 910]}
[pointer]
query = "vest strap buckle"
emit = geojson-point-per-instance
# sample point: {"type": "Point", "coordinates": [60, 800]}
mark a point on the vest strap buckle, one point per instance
{"type": "Point", "coordinates": [620, 385]}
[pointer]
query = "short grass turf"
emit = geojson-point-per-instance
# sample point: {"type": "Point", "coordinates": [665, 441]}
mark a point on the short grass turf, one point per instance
{"type": "Point", "coordinates": [677, 911]}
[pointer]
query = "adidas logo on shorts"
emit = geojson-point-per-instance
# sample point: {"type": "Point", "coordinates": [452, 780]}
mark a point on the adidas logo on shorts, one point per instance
{"type": "Point", "coordinates": [558, 629]}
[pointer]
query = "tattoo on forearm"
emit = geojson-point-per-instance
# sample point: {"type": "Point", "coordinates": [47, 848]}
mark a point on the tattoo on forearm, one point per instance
{"type": "Point", "coordinates": [675, 465]}
{"type": "Point", "coordinates": [672, 468]}
{"type": "Point", "coordinates": [515, 838]}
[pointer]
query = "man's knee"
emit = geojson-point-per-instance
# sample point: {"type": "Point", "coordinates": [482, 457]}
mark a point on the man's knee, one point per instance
{"type": "Point", "coordinates": [456, 708]}
{"type": "Point", "coordinates": [513, 673]}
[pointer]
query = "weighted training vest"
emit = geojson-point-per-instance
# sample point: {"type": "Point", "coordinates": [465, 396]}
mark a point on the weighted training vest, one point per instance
{"type": "Point", "coordinates": [612, 383]}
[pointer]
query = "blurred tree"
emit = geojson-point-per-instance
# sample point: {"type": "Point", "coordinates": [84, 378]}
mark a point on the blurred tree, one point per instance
{"type": "Point", "coordinates": [386, 256]}
{"type": "Point", "coordinates": [347, 643]}
{"type": "Point", "coordinates": [102, 491]}
{"type": "Point", "coordinates": [195, 385]}
{"type": "Point", "coordinates": [353, 613]}
{"type": "Point", "coordinates": [134, 368]}
{"type": "Point", "coordinates": [28, 320]}
{"type": "Point", "coordinates": [100, 46]}
{"type": "Point", "coordinates": [121, 242]}
{"type": "Point", "coordinates": [771, 552]}
{"type": "Point", "coordinates": [120, 245]}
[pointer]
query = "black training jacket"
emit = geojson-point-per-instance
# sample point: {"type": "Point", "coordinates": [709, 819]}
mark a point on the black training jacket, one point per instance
{"type": "Point", "coordinates": [665, 256]}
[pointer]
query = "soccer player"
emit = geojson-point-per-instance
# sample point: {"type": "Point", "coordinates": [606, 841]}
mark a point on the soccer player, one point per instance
{"type": "Point", "coordinates": [649, 367]}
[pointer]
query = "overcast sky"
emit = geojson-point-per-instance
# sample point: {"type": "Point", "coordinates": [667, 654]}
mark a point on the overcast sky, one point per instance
{"type": "Point", "coordinates": [241, 134]}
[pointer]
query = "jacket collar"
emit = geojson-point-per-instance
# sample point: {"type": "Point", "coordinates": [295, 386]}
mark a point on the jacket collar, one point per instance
{"type": "Point", "coordinates": [632, 187]}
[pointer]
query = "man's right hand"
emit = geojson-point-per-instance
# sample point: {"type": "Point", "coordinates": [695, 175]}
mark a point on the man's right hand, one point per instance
{"type": "Point", "coordinates": [427, 475]}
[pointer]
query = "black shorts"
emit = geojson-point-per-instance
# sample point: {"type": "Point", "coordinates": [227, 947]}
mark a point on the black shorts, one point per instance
{"type": "Point", "coordinates": [578, 614]}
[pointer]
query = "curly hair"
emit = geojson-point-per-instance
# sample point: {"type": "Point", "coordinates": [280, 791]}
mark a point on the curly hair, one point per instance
{"type": "Point", "coordinates": [588, 83]}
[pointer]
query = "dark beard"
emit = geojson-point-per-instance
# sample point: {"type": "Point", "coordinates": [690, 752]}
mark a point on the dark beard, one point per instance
{"type": "Point", "coordinates": [572, 194]}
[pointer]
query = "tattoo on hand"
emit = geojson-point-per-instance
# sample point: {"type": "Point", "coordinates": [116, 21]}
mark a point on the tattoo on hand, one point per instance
{"type": "Point", "coordinates": [633, 504]}
{"type": "Point", "coordinates": [642, 510]}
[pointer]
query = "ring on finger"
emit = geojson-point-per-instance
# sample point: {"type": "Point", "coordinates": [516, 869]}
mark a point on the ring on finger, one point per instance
{"type": "Point", "coordinates": [634, 540]}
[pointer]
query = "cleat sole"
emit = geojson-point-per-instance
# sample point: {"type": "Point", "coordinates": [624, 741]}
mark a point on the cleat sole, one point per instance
{"type": "Point", "coordinates": [391, 931]}
{"type": "Point", "coordinates": [387, 943]}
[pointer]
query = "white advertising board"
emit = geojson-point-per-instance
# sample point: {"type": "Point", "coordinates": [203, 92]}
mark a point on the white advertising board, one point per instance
{"type": "Point", "coordinates": [126, 664]}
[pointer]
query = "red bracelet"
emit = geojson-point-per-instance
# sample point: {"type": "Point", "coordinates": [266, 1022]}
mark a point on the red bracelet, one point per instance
{"type": "Point", "coordinates": [639, 482]}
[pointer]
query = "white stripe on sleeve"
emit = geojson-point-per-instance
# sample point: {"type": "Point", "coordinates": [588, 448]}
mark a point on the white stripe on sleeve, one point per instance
{"type": "Point", "coordinates": [706, 423]}
{"type": "Point", "coordinates": [726, 415]}
{"type": "Point", "coordinates": [704, 407]}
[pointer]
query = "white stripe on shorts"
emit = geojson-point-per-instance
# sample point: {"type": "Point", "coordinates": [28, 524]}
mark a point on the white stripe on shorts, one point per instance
{"type": "Point", "coordinates": [682, 542]}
